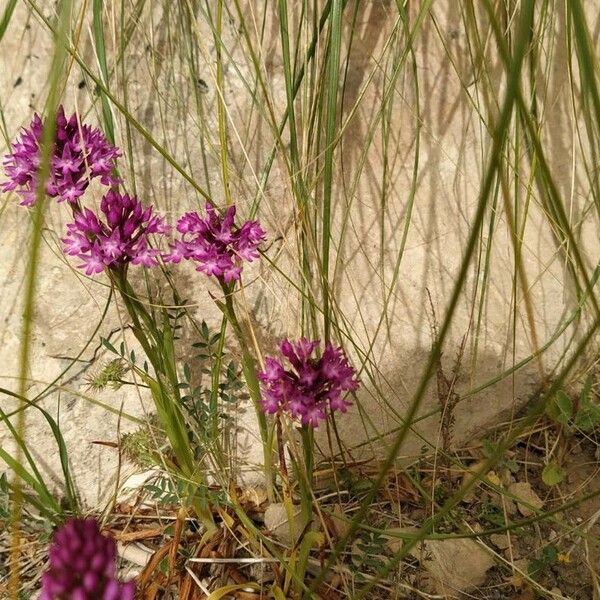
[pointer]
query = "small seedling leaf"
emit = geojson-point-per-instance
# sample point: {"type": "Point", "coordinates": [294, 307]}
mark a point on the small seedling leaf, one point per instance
{"type": "Point", "coordinates": [550, 554]}
{"type": "Point", "coordinates": [552, 474]}
{"type": "Point", "coordinates": [588, 415]}
{"type": "Point", "coordinates": [560, 408]}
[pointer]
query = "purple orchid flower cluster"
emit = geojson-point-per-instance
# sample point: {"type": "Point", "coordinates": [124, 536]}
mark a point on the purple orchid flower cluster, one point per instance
{"type": "Point", "coordinates": [121, 235]}
{"type": "Point", "coordinates": [216, 244]}
{"type": "Point", "coordinates": [83, 565]}
{"type": "Point", "coordinates": [123, 238]}
{"type": "Point", "coordinates": [311, 386]}
{"type": "Point", "coordinates": [80, 153]}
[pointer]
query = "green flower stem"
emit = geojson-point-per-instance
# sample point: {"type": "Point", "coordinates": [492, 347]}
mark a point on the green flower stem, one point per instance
{"type": "Point", "coordinates": [306, 482]}
{"type": "Point", "coordinates": [216, 372]}
{"type": "Point", "coordinates": [158, 347]}
{"type": "Point", "coordinates": [214, 442]}
{"type": "Point", "coordinates": [306, 504]}
{"type": "Point", "coordinates": [134, 310]}
{"type": "Point", "coordinates": [308, 446]}
{"type": "Point", "coordinates": [249, 370]}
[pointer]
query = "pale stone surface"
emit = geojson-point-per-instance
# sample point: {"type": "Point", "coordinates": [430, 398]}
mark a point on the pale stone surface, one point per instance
{"type": "Point", "coordinates": [528, 502]}
{"type": "Point", "coordinates": [454, 565]}
{"type": "Point", "coordinates": [500, 540]}
{"type": "Point", "coordinates": [278, 523]}
{"type": "Point", "coordinates": [395, 542]}
{"type": "Point", "coordinates": [163, 95]}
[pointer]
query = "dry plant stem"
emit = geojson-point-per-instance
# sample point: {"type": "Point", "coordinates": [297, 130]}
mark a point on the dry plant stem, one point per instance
{"type": "Point", "coordinates": [249, 370]}
{"type": "Point", "coordinates": [446, 394]}
{"type": "Point", "coordinates": [448, 399]}
{"type": "Point", "coordinates": [179, 525]}
{"type": "Point", "coordinates": [165, 392]}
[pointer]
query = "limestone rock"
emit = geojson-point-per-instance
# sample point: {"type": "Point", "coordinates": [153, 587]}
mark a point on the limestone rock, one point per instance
{"type": "Point", "coordinates": [277, 522]}
{"type": "Point", "coordinates": [455, 565]}
{"type": "Point", "coordinates": [500, 540]}
{"type": "Point", "coordinates": [395, 543]}
{"type": "Point", "coordinates": [340, 521]}
{"type": "Point", "coordinates": [530, 501]}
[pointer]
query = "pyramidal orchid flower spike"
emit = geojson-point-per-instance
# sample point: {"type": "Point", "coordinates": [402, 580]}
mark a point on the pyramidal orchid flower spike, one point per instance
{"type": "Point", "coordinates": [80, 154]}
{"type": "Point", "coordinates": [83, 565]}
{"type": "Point", "coordinates": [122, 237]}
{"type": "Point", "coordinates": [216, 244]}
{"type": "Point", "coordinates": [309, 386]}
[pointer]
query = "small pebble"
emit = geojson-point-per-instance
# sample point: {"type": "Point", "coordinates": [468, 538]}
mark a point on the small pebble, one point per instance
{"type": "Point", "coordinates": [202, 86]}
{"type": "Point", "coordinates": [500, 540]}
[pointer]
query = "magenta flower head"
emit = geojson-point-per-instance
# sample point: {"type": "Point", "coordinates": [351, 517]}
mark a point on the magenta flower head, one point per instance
{"type": "Point", "coordinates": [83, 565]}
{"type": "Point", "coordinates": [80, 153]}
{"type": "Point", "coordinates": [310, 385]}
{"type": "Point", "coordinates": [121, 238]}
{"type": "Point", "coordinates": [216, 244]}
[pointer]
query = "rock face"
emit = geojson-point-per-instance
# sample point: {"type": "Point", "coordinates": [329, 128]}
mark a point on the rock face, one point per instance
{"type": "Point", "coordinates": [400, 223]}
{"type": "Point", "coordinates": [454, 565]}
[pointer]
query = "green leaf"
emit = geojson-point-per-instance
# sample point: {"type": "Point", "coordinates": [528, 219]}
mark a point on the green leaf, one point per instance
{"type": "Point", "coordinates": [108, 345]}
{"type": "Point", "coordinates": [588, 415]}
{"type": "Point", "coordinates": [553, 474]}
{"type": "Point", "coordinates": [550, 554]}
{"type": "Point", "coordinates": [164, 565]}
{"type": "Point", "coordinates": [586, 391]}
{"type": "Point", "coordinates": [34, 478]}
{"type": "Point", "coordinates": [6, 17]}
{"type": "Point", "coordinates": [513, 465]}
{"type": "Point", "coordinates": [535, 567]}
{"type": "Point", "coordinates": [312, 539]}
{"type": "Point", "coordinates": [560, 408]}
{"type": "Point", "coordinates": [226, 590]}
